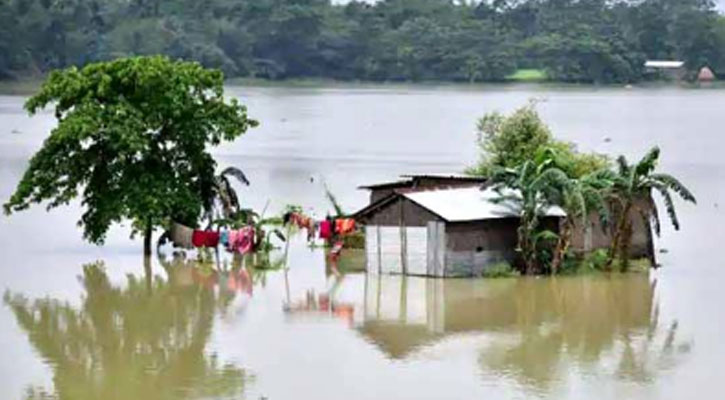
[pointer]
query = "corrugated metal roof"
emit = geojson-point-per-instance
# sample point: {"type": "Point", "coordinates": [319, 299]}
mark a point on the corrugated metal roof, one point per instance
{"type": "Point", "coordinates": [455, 176]}
{"type": "Point", "coordinates": [469, 204]}
{"type": "Point", "coordinates": [410, 179]}
{"type": "Point", "coordinates": [664, 64]}
{"type": "Point", "coordinates": [383, 185]}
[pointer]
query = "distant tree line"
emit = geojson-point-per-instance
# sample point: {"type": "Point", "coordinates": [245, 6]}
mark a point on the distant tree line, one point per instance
{"type": "Point", "coordinates": [390, 40]}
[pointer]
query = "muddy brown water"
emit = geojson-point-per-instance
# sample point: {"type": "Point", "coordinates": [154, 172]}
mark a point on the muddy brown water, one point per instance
{"type": "Point", "coordinates": [84, 322]}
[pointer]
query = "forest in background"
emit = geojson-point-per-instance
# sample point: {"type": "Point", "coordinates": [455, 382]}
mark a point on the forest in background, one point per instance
{"type": "Point", "coordinates": [594, 41]}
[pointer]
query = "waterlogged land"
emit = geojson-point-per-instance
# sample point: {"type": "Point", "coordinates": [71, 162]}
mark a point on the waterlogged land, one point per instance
{"type": "Point", "coordinates": [77, 328]}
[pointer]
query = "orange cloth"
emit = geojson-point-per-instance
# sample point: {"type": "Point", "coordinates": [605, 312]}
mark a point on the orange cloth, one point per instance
{"type": "Point", "coordinates": [344, 226]}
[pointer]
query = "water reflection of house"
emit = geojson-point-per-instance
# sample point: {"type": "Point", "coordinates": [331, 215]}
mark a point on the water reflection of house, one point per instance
{"type": "Point", "coordinates": [403, 314]}
{"type": "Point", "coordinates": [449, 225]}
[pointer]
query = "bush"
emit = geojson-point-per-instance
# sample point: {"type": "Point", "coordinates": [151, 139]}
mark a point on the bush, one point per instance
{"type": "Point", "coordinates": [596, 260]}
{"type": "Point", "coordinates": [501, 269]}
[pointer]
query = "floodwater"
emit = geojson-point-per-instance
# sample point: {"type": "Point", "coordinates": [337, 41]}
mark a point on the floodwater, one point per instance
{"type": "Point", "coordinates": [84, 322]}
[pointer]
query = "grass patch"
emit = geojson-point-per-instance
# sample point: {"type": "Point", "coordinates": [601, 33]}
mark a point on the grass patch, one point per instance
{"type": "Point", "coordinates": [528, 75]}
{"type": "Point", "coordinates": [500, 269]}
{"type": "Point", "coordinates": [596, 262]}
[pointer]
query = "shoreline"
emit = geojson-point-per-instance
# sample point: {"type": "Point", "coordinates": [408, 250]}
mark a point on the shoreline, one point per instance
{"type": "Point", "coordinates": [28, 86]}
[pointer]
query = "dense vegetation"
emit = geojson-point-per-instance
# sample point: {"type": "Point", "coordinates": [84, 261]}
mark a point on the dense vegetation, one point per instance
{"type": "Point", "coordinates": [519, 152]}
{"type": "Point", "coordinates": [571, 40]}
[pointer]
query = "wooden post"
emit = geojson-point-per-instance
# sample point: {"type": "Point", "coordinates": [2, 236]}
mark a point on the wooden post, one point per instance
{"type": "Point", "coordinates": [403, 241]}
{"type": "Point", "coordinates": [380, 252]}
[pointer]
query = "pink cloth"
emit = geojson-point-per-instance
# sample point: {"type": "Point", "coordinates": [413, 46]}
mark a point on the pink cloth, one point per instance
{"type": "Point", "coordinates": [325, 229]}
{"type": "Point", "coordinates": [242, 240]}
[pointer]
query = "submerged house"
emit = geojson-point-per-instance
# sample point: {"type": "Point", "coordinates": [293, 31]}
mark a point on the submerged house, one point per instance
{"type": "Point", "coordinates": [450, 226]}
{"type": "Point", "coordinates": [442, 231]}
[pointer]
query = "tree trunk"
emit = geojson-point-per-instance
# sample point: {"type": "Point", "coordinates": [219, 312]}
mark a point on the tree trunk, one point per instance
{"type": "Point", "coordinates": [147, 234]}
{"type": "Point", "coordinates": [148, 273]}
{"type": "Point", "coordinates": [619, 231]}
{"type": "Point", "coordinates": [625, 242]}
{"type": "Point", "coordinates": [562, 246]}
{"type": "Point", "coordinates": [524, 247]}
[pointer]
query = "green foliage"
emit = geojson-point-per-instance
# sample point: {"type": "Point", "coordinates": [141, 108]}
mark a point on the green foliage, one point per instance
{"type": "Point", "coordinates": [132, 142]}
{"type": "Point", "coordinates": [394, 40]}
{"type": "Point", "coordinates": [355, 240]}
{"type": "Point", "coordinates": [595, 260]}
{"type": "Point", "coordinates": [509, 141]}
{"type": "Point", "coordinates": [636, 183]}
{"type": "Point", "coordinates": [339, 211]}
{"type": "Point", "coordinates": [531, 188]}
{"type": "Point", "coordinates": [500, 269]}
{"type": "Point", "coordinates": [528, 75]}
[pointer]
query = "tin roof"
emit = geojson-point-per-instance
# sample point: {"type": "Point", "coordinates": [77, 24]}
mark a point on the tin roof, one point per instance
{"type": "Point", "coordinates": [411, 179]}
{"type": "Point", "coordinates": [470, 204]}
{"type": "Point", "coordinates": [392, 184]}
{"type": "Point", "coordinates": [461, 177]}
{"type": "Point", "coordinates": [666, 64]}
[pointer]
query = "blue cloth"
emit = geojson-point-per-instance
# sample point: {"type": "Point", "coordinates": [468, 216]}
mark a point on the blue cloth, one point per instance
{"type": "Point", "coordinates": [224, 238]}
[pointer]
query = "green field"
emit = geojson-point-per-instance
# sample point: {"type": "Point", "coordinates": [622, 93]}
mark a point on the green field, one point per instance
{"type": "Point", "coordinates": [528, 75]}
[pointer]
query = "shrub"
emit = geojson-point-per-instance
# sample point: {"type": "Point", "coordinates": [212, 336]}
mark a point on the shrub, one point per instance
{"type": "Point", "coordinates": [596, 260]}
{"type": "Point", "coordinates": [501, 269]}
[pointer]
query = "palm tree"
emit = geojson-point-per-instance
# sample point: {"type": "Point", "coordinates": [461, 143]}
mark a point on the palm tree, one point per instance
{"type": "Point", "coordinates": [536, 187]}
{"type": "Point", "coordinates": [635, 183]}
{"type": "Point", "coordinates": [580, 197]}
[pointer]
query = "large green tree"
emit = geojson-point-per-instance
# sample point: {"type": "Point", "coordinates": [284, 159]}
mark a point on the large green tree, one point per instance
{"type": "Point", "coordinates": [132, 141]}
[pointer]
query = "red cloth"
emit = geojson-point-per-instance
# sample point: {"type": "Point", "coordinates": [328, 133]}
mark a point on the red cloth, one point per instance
{"type": "Point", "coordinates": [197, 238]}
{"type": "Point", "coordinates": [212, 239]}
{"type": "Point", "coordinates": [325, 229]}
{"type": "Point", "coordinates": [205, 238]}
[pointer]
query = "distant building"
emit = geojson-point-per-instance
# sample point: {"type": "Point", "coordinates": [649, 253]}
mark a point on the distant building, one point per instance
{"type": "Point", "coordinates": [667, 69]}
{"type": "Point", "coordinates": [705, 75]}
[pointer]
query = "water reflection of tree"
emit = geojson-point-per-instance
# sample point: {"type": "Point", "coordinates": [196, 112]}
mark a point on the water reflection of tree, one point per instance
{"type": "Point", "coordinates": [135, 342]}
{"type": "Point", "coordinates": [605, 327]}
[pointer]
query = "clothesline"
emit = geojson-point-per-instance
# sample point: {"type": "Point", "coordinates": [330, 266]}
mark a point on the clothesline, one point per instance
{"type": "Point", "coordinates": [242, 240]}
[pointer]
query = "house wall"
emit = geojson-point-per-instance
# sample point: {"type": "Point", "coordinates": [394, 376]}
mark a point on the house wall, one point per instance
{"type": "Point", "coordinates": [413, 214]}
{"type": "Point", "coordinates": [592, 237]}
{"type": "Point", "coordinates": [471, 247]}
{"type": "Point", "coordinates": [429, 246]}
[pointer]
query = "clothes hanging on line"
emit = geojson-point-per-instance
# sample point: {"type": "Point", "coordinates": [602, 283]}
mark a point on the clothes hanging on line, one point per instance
{"type": "Point", "coordinates": [344, 226]}
{"type": "Point", "coordinates": [325, 229]}
{"type": "Point", "coordinates": [205, 238]}
{"type": "Point", "coordinates": [241, 240]}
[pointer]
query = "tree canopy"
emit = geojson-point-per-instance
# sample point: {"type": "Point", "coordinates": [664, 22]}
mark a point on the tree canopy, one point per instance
{"type": "Point", "coordinates": [508, 141]}
{"type": "Point", "coordinates": [132, 141]}
{"type": "Point", "coordinates": [483, 40]}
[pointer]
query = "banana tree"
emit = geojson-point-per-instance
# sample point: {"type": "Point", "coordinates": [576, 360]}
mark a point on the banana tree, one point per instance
{"type": "Point", "coordinates": [636, 183]}
{"type": "Point", "coordinates": [536, 187]}
{"type": "Point", "coordinates": [224, 195]}
{"type": "Point", "coordinates": [580, 197]}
